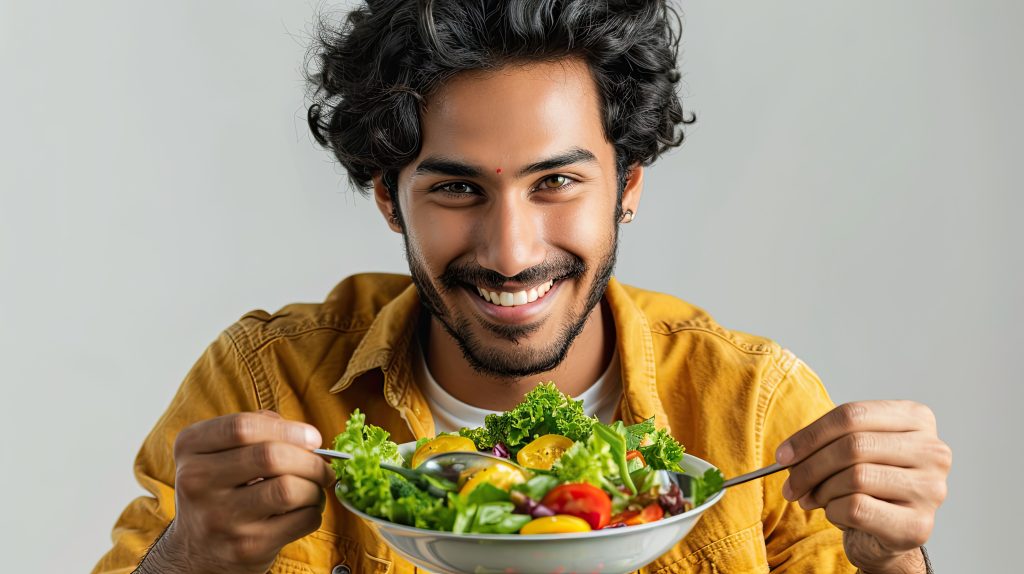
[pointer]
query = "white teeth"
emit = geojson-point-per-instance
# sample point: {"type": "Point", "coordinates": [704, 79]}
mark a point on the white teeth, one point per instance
{"type": "Point", "coordinates": [506, 299]}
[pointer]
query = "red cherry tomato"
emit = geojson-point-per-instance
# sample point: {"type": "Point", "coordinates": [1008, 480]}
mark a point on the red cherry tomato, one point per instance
{"type": "Point", "coordinates": [582, 500]}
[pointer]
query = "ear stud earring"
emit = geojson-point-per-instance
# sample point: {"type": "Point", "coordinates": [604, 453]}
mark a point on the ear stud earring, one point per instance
{"type": "Point", "coordinates": [627, 217]}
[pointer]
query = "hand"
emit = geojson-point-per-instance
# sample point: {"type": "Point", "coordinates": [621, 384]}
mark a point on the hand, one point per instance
{"type": "Point", "coordinates": [879, 470]}
{"type": "Point", "coordinates": [246, 485]}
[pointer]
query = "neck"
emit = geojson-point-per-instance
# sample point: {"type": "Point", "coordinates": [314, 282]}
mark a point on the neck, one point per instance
{"type": "Point", "coordinates": [587, 359]}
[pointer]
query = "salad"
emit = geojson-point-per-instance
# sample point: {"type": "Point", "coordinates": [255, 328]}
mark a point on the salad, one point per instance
{"type": "Point", "coordinates": [574, 474]}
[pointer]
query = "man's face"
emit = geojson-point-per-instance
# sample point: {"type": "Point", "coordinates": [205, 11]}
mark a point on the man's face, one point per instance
{"type": "Point", "coordinates": [509, 213]}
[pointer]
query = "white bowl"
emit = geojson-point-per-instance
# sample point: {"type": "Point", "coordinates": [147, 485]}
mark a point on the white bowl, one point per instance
{"type": "Point", "coordinates": [612, 551]}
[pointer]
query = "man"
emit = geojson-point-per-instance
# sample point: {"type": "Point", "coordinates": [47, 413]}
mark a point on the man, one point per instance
{"type": "Point", "coordinates": [506, 141]}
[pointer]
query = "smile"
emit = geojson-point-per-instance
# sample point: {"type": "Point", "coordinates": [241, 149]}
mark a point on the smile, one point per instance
{"type": "Point", "coordinates": [507, 299]}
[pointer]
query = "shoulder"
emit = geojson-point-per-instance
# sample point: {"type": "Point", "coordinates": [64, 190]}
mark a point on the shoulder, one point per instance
{"type": "Point", "coordinates": [350, 308]}
{"type": "Point", "coordinates": [673, 318]}
{"type": "Point", "coordinates": [696, 355]}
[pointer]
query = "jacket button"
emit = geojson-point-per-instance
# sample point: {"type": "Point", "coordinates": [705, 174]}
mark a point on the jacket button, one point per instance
{"type": "Point", "coordinates": [341, 569]}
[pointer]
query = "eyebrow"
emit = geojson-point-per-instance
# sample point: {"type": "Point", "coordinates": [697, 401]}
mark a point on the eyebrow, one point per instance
{"type": "Point", "coordinates": [453, 167]}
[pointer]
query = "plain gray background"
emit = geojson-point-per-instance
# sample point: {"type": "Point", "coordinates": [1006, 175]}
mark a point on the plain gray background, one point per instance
{"type": "Point", "coordinates": [850, 189]}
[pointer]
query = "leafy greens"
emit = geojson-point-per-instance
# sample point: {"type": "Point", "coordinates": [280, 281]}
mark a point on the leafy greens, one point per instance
{"type": "Point", "coordinates": [544, 410]}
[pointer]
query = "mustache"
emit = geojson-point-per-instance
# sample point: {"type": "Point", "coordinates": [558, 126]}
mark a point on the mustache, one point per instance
{"type": "Point", "coordinates": [561, 266]}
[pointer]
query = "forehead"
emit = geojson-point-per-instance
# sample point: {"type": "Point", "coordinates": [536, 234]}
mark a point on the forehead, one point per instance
{"type": "Point", "coordinates": [515, 114]}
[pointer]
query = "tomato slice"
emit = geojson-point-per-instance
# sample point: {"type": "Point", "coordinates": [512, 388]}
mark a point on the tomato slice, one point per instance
{"type": "Point", "coordinates": [556, 524]}
{"type": "Point", "coordinates": [582, 500]}
{"type": "Point", "coordinates": [543, 452]}
{"type": "Point", "coordinates": [650, 513]}
{"type": "Point", "coordinates": [443, 443]}
{"type": "Point", "coordinates": [631, 454]}
{"type": "Point", "coordinates": [502, 475]}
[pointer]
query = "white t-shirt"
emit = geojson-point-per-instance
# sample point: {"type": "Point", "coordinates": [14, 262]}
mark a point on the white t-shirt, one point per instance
{"type": "Point", "coordinates": [451, 414]}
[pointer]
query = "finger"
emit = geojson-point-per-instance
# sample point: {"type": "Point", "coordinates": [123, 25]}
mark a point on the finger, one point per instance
{"type": "Point", "coordinates": [258, 542]}
{"type": "Point", "coordinates": [289, 527]}
{"type": "Point", "coordinates": [882, 416]}
{"type": "Point", "coordinates": [897, 528]}
{"type": "Point", "coordinates": [231, 431]}
{"type": "Point", "coordinates": [276, 496]}
{"type": "Point", "coordinates": [242, 465]}
{"type": "Point", "coordinates": [892, 484]}
{"type": "Point", "coordinates": [893, 449]}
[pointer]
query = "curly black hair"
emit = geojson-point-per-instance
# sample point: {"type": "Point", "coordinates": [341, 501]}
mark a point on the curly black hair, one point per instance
{"type": "Point", "coordinates": [370, 76]}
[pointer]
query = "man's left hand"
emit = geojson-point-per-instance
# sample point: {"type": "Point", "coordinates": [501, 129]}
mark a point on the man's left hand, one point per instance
{"type": "Point", "coordinates": [879, 470]}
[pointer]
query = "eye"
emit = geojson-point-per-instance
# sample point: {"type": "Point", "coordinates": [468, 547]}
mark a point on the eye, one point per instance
{"type": "Point", "coordinates": [555, 182]}
{"type": "Point", "coordinates": [455, 189]}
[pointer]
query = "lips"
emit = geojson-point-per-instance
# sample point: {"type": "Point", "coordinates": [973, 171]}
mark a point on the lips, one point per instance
{"type": "Point", "coordinates": [516, 298]}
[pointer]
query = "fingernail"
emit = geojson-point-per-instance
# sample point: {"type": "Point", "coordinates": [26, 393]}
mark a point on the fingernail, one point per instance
{"type": "Point", "coordinates": [784, 455]}
{"type": "Point", "coordinates": [787, 492]}
{"type": "Point", "coordinates": [312, 437]}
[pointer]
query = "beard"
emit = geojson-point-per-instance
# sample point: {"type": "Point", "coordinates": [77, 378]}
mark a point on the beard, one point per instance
{"type": "Point", "coordinates": [520, 361]}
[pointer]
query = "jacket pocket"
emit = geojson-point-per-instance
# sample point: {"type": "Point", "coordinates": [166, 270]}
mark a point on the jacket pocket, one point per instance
{"type": "Point", "coordinates": [323, 552]}
{"type": "Point", "coordinates": [742, 552]}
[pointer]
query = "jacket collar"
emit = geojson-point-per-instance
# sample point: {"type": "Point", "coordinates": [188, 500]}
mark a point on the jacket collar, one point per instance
{"type": "Point", "coordinates": [636, 355]}
{"type": "Point", "coordinates": [386, 346]}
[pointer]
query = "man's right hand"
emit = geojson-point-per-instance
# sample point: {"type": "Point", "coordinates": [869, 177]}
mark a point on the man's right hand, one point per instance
{"type": "Point", "coordinates": [246, 484]}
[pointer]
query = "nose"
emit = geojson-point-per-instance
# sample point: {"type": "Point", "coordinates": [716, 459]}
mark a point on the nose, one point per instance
{"type": "Point", "coordinates": [511, 236]}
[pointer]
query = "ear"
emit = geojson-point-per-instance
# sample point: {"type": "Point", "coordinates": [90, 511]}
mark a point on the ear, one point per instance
{"type": "Point", "coordinates": [386, 206]}
{"type": "Point", "coordinates": [634, 188]}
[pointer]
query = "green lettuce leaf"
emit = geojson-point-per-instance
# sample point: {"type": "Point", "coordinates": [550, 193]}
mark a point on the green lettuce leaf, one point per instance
{"type": "Point", "coordinates": [377, 492]}
{"type": "Point", "coordinates": [706, 486]}
{"type": "Point", "coordinates": [664, 452]}
{"type": "Point", "coordinates": [544, 410]}
{"type": "Point", "coordinates": [635, 433]}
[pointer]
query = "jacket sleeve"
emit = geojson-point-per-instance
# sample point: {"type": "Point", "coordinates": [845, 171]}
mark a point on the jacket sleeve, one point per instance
{"type": "Point", "coordinates": [218, 384]}
{"type": "Point", "coordinates": [797, 541]}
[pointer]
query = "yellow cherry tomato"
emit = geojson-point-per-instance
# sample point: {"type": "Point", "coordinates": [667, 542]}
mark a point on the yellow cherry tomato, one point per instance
{"type": "Point", "coordinates": [443, 443]}
{"type": "Point", "coordinates": [502, 475]}
{"type": "Point", "coordinates": [543, 452]}
{"type": "Point", "coordinates": [556, 524]}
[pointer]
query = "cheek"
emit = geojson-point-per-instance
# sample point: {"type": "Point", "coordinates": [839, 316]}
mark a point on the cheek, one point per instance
{"type": "Point", "coordinates": [438, 239]}
{"type": "Point", "coordinates": [586, 232]}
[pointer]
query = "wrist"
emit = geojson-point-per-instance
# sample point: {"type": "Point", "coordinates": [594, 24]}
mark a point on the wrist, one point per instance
{"type": "Point", "coordinates": [910, 562]}
{"type": "Point", "coordinates": [164, 556]}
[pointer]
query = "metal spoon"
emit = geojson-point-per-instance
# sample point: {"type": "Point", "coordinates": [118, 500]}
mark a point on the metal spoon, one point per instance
{"type": "Point", "coordinates": [434, 484]}
{"type": "Point", "coordinates": [770, 469]}
{"type": "Point", "coordinates": [439, 474]}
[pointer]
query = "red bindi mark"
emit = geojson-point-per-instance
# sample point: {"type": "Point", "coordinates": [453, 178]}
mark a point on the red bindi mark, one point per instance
{"type": "Point", "coordinates": [499, 170]}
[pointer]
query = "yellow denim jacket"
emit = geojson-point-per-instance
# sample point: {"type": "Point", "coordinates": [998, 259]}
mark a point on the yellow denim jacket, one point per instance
{"type": "Point", "coordinates": [730, 398]}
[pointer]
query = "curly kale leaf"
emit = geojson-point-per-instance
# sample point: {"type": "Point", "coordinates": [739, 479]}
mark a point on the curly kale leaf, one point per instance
{"type": "Point", "coordinates": [544, 410]}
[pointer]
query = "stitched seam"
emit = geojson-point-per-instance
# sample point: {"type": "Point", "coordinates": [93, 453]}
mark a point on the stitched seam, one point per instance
{"type": "Point", "coordinates": [753, 348]}
{"type": "Point", "coordinates": [650, 364]}
{"type": "Point", "coordinates": [264, 392]}
{"type": "Point", "coordinates": [273, 337]}
{"type": "Point", "coordinates": [778, 372]}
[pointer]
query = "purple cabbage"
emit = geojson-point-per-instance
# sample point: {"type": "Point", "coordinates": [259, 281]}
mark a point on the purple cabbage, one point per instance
{"type": "Point", "coordinates": [526, 505]}
{"type": "Point", "coordinates": [500, 450]}
{"type": "Point", "coordinates": [672, 501]}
